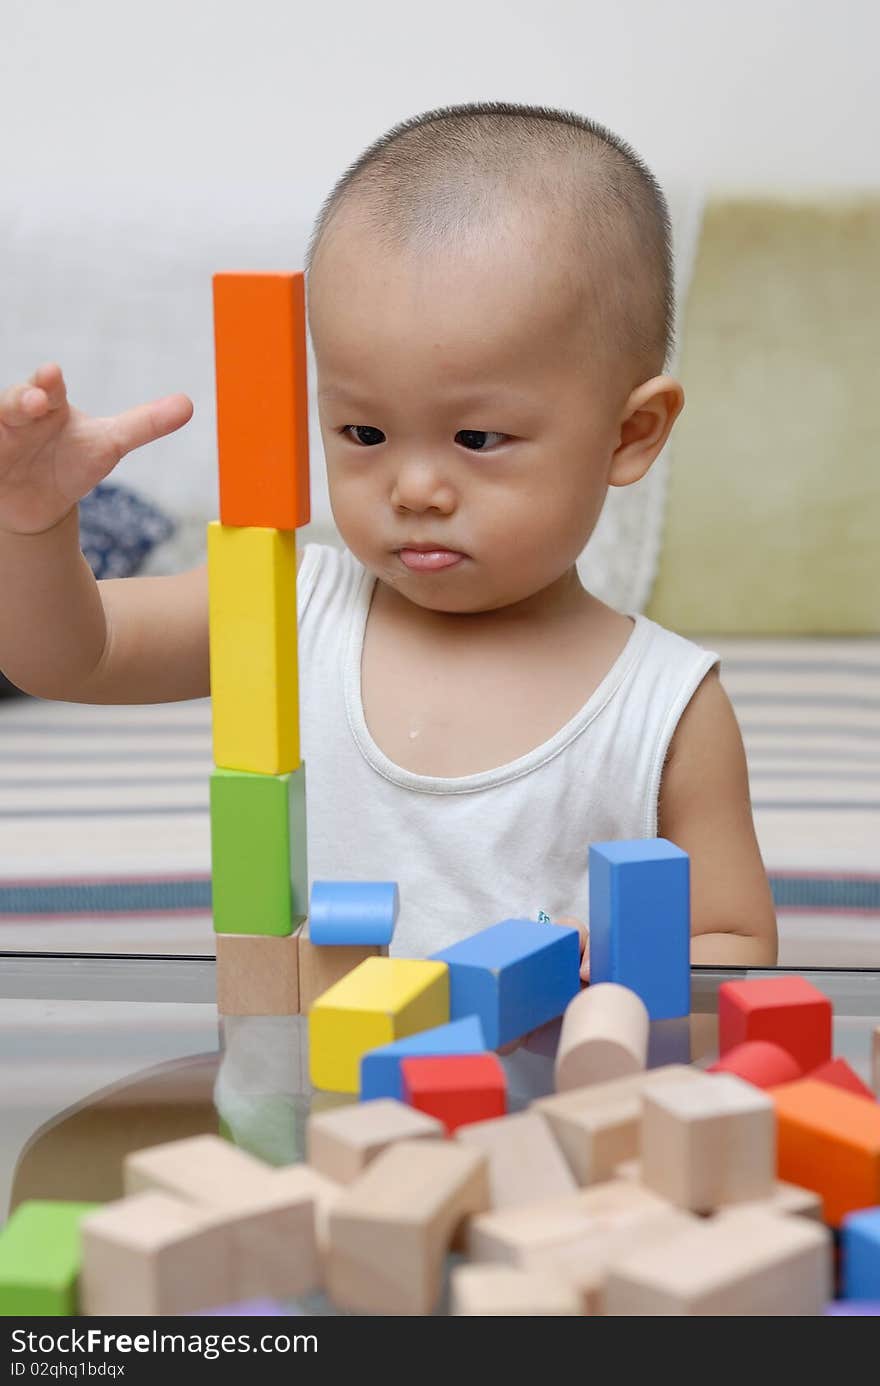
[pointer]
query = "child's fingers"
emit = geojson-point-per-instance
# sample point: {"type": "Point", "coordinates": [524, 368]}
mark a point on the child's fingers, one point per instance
{"type": "Point", "coordinates": [22, 404]}
{"type": "Point", "coordinates": [49, 379]}
{"type": "Point", "coordinates": [147, 422]}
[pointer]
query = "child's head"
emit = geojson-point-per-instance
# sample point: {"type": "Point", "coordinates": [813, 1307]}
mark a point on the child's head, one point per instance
{"type": "Point", "coordinates": [490, 301]}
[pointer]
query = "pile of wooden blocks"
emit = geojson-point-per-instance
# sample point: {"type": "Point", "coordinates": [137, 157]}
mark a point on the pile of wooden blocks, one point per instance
{"type": "Point", "coordinates": [650, 1192]}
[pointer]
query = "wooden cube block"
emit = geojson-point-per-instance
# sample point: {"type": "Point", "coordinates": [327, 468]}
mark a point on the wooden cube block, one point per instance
{"type": "Point", "coordinates": [257, 974]}
{"type": "Point", "coordinates": [341, 1143]}
{"type": "Point", "coordinates": [788, 1011]}
{"type": "Point", "coordinates": [708, 1141]}
{"type": "Point", "coordinates": [525, 1163]}
{"type": "Point", "coordinates": [253, 650]}
{"type": "Point", "coordinates": [604, 1036]}
{"type": "Point", "coordinates": [829, 1141]}
{"type": "Point", "coordinates": [271, 1215]}
{"type": "Point", "coordinates": [381, 1000]}
{"type": "Point", "coordinates": [749, 1263]}
{"type": "Point", "coordinates": [838, 1073]}
{"type": "Point", "coordinates": [457, 1089]}
{"type": "Point", "coordinates": [583, 1261]}
{"type": "Point", "coordinates": [258, 852]}
{"type": "Point", "coordinates": [390, 1229]}
{"type": "Point", "coordinates": [40, 1257]}
{"type": "Point", "coordinates": [599, 1126]}
{"type": "Point", "coordinates": [759, 1062]}
{"type": "Point", "coordinates": [494, 1290]}
{"type": "Point", "coordinates": [153, 1254]}
{"type": "Point", "coordinates": [507, 1235]}
{"type": "Point", "coordinates": [262, 398]}
{"type": "Point", "coordinates": [640, 921]}
{"type": "Point", "coordinates": [321, 966]}
{"type": "Point", "coordinates": [380, 1068]}
{"type": "Point", "coordinates": [514, 975]}
{"type": "Point", "coordinates": [353, 912]}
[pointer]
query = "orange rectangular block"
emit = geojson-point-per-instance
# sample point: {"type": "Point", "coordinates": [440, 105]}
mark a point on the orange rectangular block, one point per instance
{"type": "Point", "coordinates": [829, 1140]}
{"type": "Point", "coordinates": [262, 399]}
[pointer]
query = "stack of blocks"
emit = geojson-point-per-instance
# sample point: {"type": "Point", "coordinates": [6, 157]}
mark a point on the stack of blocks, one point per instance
{"type": "Point", "coordinates": [258, 790]}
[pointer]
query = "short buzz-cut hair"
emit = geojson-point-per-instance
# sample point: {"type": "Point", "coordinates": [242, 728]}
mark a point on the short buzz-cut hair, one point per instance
{"type": "Point", "coordinates": [436, 179]}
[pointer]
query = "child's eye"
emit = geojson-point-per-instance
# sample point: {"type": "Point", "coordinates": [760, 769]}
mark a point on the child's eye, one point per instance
{"type": "Point", "coordinates": [364, 428]}
{"type": "Point", "coordinates": [471, 437]}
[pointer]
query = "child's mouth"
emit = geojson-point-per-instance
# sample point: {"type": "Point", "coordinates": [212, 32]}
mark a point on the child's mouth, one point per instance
{"type": "Point", "coordinates": [431, 561]}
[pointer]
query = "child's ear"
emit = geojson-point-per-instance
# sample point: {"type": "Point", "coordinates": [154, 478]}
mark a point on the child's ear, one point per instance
{"type": "Point", "coordinates": [646, 423]}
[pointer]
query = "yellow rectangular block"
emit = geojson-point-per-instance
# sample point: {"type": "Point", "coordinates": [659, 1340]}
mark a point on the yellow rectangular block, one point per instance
{"type": "Point", "coordinates": [253, 648]}
{"type": "Point", "coordinates": [381, 1000]}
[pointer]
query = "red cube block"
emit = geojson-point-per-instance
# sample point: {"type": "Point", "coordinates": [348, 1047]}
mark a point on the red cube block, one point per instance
{"type": "Point", "coordinates": [788, 1011]}
{"type": "Point", "coordinates": [839, 1074]}
{"type": "Point", "coordinates": [759, 1062]}
{"type": "Point", "coordinates": [456, 1089]}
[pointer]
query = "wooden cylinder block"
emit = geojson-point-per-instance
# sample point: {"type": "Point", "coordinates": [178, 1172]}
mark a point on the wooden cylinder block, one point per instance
{"type": "Point", "coordinates": [604, 1036]}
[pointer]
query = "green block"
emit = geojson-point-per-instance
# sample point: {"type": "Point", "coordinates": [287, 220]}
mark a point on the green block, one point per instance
{"type": "Point", "coordinates": [40, 1258]}
{"type": "Point", "coordinates": [259, 864]}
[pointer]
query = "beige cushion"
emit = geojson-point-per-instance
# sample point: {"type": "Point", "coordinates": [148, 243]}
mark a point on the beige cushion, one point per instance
{"type": "Point", "coordinates": [773, 508]}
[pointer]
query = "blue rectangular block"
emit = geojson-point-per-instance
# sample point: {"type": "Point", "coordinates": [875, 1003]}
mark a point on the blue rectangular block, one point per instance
{"type": "Point", "coordinates": [640, 921]}
{"type": "Point", "coordinates": [860, 1240]}
{"type": "Point", "coordinates": [380, 1068]}
{"type": "Point", "coordinates": [515, 976]}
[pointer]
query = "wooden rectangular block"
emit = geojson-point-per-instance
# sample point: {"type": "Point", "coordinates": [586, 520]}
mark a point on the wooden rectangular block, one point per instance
{"type": "Point", "coordinates": [748, 1263]}
{"type": "Point", "coordinates": [381, 1000]}
{"type": "Point", "coordinates": [525, 1163]}
{"type": "Point", "coordinates": [787, 1199]}
{"type": "Point", "coordinates": [599, 1126]}
{"type": "Point", "coordinates": [508, 1235]}
{"type": "Point", "coordinates": [257, 974]}
{"type": "Point", "coordinates": [253, 649]}
{"type": "Point", "coordinates": [258, 852]}
{"type": "Point", "coordinates": [321, 966]}
{"type": "Point", "coordinates": [391, 1228]}
{"type": "Point", "coordinates": [494, 1290]}
{"type": "Point", "coordinates": [640, 922]}
{"type": "Point", "coordinates": [342, 1142]}
{"type": "Point", "coordinates": [829, 1141]}
{"type": "Point", "coordinates": [456, 1088]}
{"type": "Point", "coordinates": [40, 1257]}
{"type": "Point", "coordinates": [708, 1141]}
{"type": "Point", "coordinates": [262, 399]}
{"type": "Point", "coordinates": [788, 1011]}
{"type": "Point", "coordinates": [153, 1255]}
{"type": "Point", "coordinates": [271, 1215]}
{"type": "Point", "coordinates": [515, 976]}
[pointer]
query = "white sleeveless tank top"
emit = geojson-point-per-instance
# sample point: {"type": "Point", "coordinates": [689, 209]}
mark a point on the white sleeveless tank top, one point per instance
{"type": "Point", "coordinates": [472, 850]}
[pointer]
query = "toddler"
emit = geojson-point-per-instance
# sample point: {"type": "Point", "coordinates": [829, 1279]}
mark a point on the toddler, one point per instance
{"type": "Point", "coordinates": [489, 293]}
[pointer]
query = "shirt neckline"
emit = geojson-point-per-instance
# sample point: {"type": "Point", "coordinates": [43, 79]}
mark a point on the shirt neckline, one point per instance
{"type": "Point", "coordinates": [482, 779]}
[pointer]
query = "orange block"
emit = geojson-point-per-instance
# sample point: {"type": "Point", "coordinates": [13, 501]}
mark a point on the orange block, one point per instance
{"type": "Point", "coordinates": [828, 1140]}
{"type": "Point", "coordinates": [262, 399]}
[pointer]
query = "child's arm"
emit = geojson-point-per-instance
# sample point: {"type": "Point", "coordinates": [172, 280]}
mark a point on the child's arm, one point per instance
{"type": "Point", "coordinates": [705, 808]}
{"type": "Point", "coordinates": [62, 634]}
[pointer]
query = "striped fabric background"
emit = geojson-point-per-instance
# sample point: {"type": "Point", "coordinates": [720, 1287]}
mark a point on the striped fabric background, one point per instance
{"type": "Point", "coordinates": [104, 828]}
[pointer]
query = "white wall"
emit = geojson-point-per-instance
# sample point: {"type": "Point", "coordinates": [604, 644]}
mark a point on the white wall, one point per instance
{"type": "Point", "coordinates": [147, 145]}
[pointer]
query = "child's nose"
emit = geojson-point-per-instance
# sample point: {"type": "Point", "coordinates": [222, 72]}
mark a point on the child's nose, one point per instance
{"type": "Point", "coordinates": [421, 484]}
